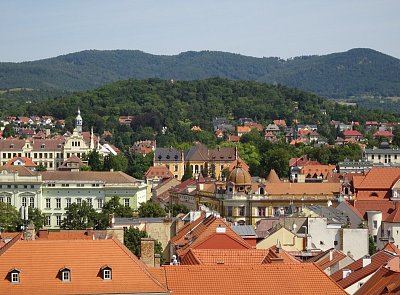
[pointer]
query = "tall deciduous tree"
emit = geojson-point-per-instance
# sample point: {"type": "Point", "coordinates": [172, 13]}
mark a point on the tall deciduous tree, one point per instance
{"type": "Point", "coordinates": [80, 217]}
{"type": "Point", "coordinates": [9, 218]}
{"type": "Point", "coordinates": [151, 209]}
{"type": "Point", "coordinates": [132, 239]}
{"type": "Point", "coordinates": [188, 172]}
{"type": "Point", "coordinates": [37, 217]}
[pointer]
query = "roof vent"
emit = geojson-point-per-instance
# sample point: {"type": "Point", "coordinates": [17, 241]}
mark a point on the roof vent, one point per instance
{"type": "Point", "coordinates": [366, 260]}
{"type": "Point", "coordinates": [220, 230]}
{"type": "Point", "coordinates": [346, 273]}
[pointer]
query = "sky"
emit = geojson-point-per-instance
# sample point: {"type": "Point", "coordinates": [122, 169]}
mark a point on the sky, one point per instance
{"type": "Point", "coordinates": [37, 29]}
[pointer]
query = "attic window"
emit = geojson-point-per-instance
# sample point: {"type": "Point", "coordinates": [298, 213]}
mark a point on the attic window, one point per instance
{"type": "Point", "coordinates": [176, 157]}
{"type": "Point", "coordinates": [107, 272]}
{"type": "Point", "coordinates": [42, 146]}
{"type": "Point", "coordinates": [159, 157]}
{"type": "Point", "coordinates": [15, 276]}
{"type": "Point", "coordinates": [168, 157]}
{"type": "Point", "coordinates": [59, 145]}
{"type": "Point", "coordinates": [374, 194]}
{"type": "Point", "coordinates": [65, 274]}
{"type": "Point", "coordinates": [11, 146]}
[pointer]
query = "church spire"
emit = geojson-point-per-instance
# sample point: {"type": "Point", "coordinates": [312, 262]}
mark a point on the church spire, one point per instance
{"type": "Point", "coordinates": [78, 122]}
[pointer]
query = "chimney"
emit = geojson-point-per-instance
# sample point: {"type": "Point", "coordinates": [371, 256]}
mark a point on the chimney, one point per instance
{"type": "Point", "coordinates": [330, 255]}
{"type": "Point", "coordinates": [346, 273]}
{"type": "Point", "coordinates": [147, 251]}
{"type": "Point", "coordinates": [157, 260]}
{"type": "Point", "coordinates": [366, 260]}
{"type": "Point", "coordinates": [43, 234]}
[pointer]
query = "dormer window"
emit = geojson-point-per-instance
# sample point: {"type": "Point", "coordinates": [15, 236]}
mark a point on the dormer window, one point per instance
{"type": "Point", "coordinates": [65, 274]}
{"type": "Point", "coordinates": [42, 146]}
{"type": "Point", "coordinates": [15, 276]}
{"type": "Point", "coordinates": [11, 146]}
{"type": "Point", "coordinates": [107, 272]}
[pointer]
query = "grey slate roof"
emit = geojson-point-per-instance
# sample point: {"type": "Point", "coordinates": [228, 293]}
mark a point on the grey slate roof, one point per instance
{"type": "Point", "coordinates": [167, 155]}
{"type": "Point", "coordinates": [244, 230]}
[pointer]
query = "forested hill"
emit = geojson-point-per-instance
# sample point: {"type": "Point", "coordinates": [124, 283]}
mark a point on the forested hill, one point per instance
{"type": "Point", "coordinates": [338, 75]}
{"type": "Point", "coordinates": [179, 105]}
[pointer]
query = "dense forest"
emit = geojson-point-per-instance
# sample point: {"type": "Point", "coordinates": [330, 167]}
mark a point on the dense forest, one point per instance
{"type": "Point", "coordinates": [165, 111]}
{"type": "Point", "coordinates": [340, 75]}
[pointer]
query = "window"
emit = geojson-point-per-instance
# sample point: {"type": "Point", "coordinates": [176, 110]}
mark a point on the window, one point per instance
{"type": "Point", "coordinates": [65, 184]}
{"type": "Point", "coordinates": [229, 210]}
{"type": "Point", "coordinates": [99, 203]}
{"type": "Point", "coordinates": [68, 200]}
{"type": "Point", "coordinates": [58, 203]}
{"type": "Point", "coordinates": [32, 202]}
{"type": "Point", "coordinates": [79, 201]}
{"type": "Point", "coordinates": [375, 224]}
{"type": "Point", "coordinates": [24, 201]}
{"type": "Point", "coordinates": [242, 211]}
{"type": "Point", "coordinates": [1, 199]}
{"type": "Point", "coordinates": [65, 274]}
{"type": "Point", "coordinates": [48, 220]}
{"type": "Point", "coordinates": [9, 200]}
{"type": "Point", "coordinates": [48, 203]}
{"type": "Point", "coordinates": [107, 272]}
{"type": "Point", "coordinates": [126, 202]}
{"type": "Point", "coordinates": [15, 276]}
{"type": "Point", "coordinates": [375, 238]}
{"type": "Point", "coordinates": [89, 202]}
{"type": "Point", "coordinates": [58, 218]}
{"type": "Point", "coordinates": [261, 211]}
{"type": "Point", "coordinates": [175, 168]}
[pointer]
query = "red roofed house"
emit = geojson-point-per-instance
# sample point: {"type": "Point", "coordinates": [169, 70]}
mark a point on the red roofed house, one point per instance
{"type": "Point", "coordinates": [242, 130]}
{"type": "Point", "coordinates": [354, 134]}
{"type": "Point", "coordinates": [354, 275]}
{"type": "Point", "coordinates": [330, 261]}
{"type": "Point", "coordinates": [22, 161]}
{"type": "Point", "coordinates": [36, 267]}
{"type": "Point", "coordinates": [254, 125]}
{"type": "Point", "coordinates": [384, 133]}
{"type": "Point", "coordinates": [385, 281]}
{"type": "Point", "coordinates": [209, 232]}
{"type": "Point", "coordinates": [390, 228]}
{"type": "Point", "coordinates": [276, 278]}
{"type": "Point", "coordinates": [280, 123]}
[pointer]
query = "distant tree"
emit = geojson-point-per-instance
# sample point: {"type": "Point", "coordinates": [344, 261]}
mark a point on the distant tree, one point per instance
{"type": "Point", "coordinates": [188, 172]}
{"type": "Point", "coordinates": [176, 209]}
{"type": "Point", "coordinates": [114, 206]}
{"type": "Point", "coordinates": [41, 167]}
{"type": "Point", "coordinates": [80, 217]}
{"type": "Point", "coordinates": [8, 131]}
{"type": "Point", "coordinates": [116, 163]}
{"type": "Point", "coordinates": [137, 164]}
{"type": "Point", "coordinates": [37, 217]}
{"type": "Point", "coordinates": [132, 240]}
{"type": "Point", "coordinates": [151, 209]}
{"type": "Point", "coordinates": [371, 246]}
{"type": "Point", "coordinates": [94, 161]}
{"type": "Point", "coordinates": [10, 220]}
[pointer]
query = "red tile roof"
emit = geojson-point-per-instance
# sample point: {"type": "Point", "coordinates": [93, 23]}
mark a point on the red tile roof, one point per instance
{"type": "Point", "coordinates": [391, 247]}
{"type": "Point", "coordinates": [206, 236]}
{"type": "Point", "coordinates": [383, 133]}
{"type": "Point", "coordinates": [384, 281]}
{"type": "Point", "coordinates": [27, 162]}
{"type": "Point", "coordinates": [394, 217]}
{"type": "Point", "coordinates": [348, 133]}
{"type": "Point", "coordinates": [280, 278]}
{"type": "Point", "coordinates": [237, 256]}
{"type": "Point", "coordinates": [359, 272]}
{"type": "Point", "coordinates": [158, 171]}
{"type": "Point", "coordinates": [40, 262]}
{"type": "Point", "coordinates": [383, 178]}
{"type": "Point", "coordinates": [385, 206]}
{"type": "Point", "coordinates": [324, 260]}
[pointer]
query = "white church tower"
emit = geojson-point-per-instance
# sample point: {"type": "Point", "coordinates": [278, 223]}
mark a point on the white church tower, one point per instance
{"type": "Point", "coordinates": [78, 122]}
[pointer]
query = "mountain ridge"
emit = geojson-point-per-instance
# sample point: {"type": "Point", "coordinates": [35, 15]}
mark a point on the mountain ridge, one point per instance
{"type": "Point", "coordinates": [358, 71]}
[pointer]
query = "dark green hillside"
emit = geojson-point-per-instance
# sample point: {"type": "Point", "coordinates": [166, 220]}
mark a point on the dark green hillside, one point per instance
{"type": "Point", "coordinates": [339, 75]}
{"type": "Point", "coordinates": [157, 103]}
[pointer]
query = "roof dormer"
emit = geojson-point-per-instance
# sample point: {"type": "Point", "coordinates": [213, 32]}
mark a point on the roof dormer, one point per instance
{"type": "Point", "coordinates": [106, 272]}
{"type": "Point", "coordinates": [65, 274]}
{"type": "Point", "coordinates": [15, 274]}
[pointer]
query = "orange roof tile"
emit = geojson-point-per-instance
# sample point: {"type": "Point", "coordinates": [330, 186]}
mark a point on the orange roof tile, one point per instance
{"type": "Point", "coordinates": [40, 262]}
{"type": "Point", "coordinates": [394, 217]}
{"type": "Point", "coordinates": [324, 260]}
{"type": "Point", "coordinates": [243, 129]}
{"type": "Point", "coordinates": [385, 206]}
{"type": "Point", "coordinates": [280, 278]}
{"type": "Point", "coordinates": [158, 171]}
{"type": "Point", "coordinates": [384, 281]}
{"type": "Point", "coordinates": [205, 235]}
{"type": "Point", "coordinates": [378, 178]}
{"type": "Point", "coordinates": [302, 188]}
{"type": "Point", "coordinates": [391, 247]}
{"type": "Point", "coordinates": [27, 162]}
{"type": "Point", "coordinates": [359, 272]}
{"type": "Point", "coordinates": [318, 170]}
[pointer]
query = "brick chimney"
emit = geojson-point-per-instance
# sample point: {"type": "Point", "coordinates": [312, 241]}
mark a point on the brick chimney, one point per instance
{"type": "Point", "coordinates": [147, 251]}
{"type": "Point", "coordinates": [43, 234]}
